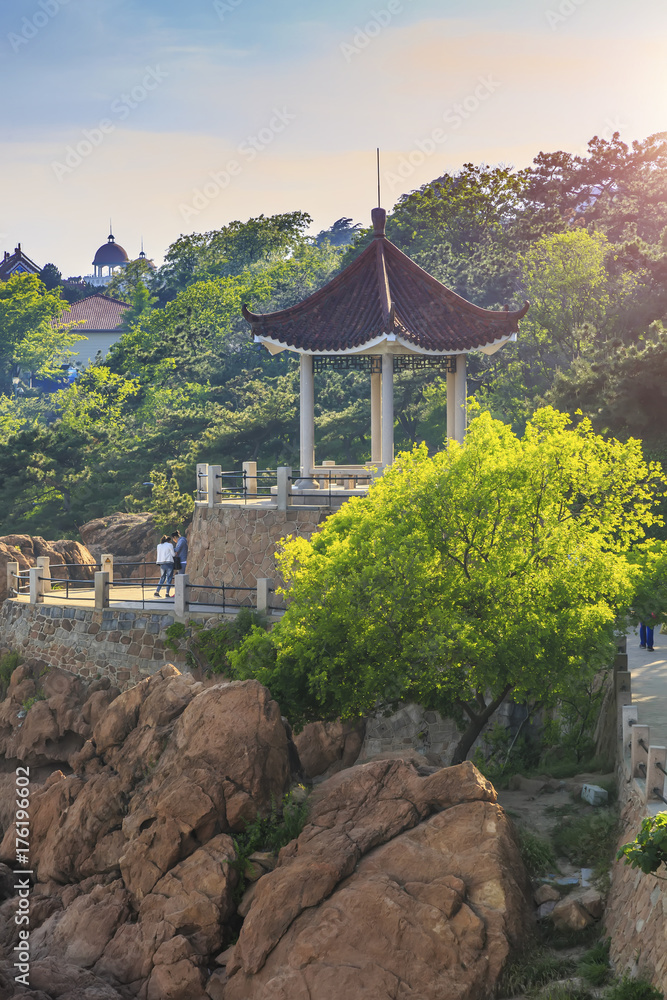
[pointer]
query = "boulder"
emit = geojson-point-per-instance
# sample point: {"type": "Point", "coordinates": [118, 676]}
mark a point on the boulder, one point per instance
{"type": "Point", "coordinates": [569, 914]}
{"type": "Point", "coordinates": [325, 748]}
{"type": "Point", "coordinates": [546, 894]}
{"type": "Point", "coordinates": [375, 895]}
{"type": "Point", "coordinates": [25, 549]}
{"type": "Point", "coordinates": [130, 538]}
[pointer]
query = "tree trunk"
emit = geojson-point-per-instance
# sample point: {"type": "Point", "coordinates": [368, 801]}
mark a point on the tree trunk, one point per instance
{"type": "Point", "coordinates": [476, 725]}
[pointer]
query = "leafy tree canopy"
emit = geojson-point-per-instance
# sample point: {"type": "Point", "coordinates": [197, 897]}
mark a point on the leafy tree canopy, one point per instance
{"type": "Point", "coordinates": [494, 568]}
{"type": "Point", "coordinates": [31, 336]}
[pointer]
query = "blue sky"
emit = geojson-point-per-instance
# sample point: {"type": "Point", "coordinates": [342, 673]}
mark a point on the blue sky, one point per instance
{"type": "Point", "coordinates": [178, 117]}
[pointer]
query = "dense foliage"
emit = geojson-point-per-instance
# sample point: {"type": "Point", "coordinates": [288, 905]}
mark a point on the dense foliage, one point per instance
{"type": "Point", "coordinates": [491, 569]}
{"type": "Point", "coordinates": [584, 238]}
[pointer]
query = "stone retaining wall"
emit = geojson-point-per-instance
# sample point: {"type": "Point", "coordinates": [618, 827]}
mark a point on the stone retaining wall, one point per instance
{"type": "Point", "coordinates": [237, 545]}
{"type": "Point", "coordinates": [636, 911]}
{"type": "Point", "coordinates": [122, 645]}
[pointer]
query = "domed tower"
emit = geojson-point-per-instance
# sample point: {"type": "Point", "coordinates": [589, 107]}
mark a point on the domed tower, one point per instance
{"type": "Point", "coordinates": [111, 255]}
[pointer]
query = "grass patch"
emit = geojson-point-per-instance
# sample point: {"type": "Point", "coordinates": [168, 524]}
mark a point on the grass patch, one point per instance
{"type": "Point", "coordinates": [8, 664]}
{"type": "Point", "coordinates": [553, 937]}
{"type": "Point", "coordinates": [633, 989]}
{"type": "Point", "coordinates": [588, 839]}
{"type": "Point", "coordinates": [533, 970]}
{"type": "Point", "coordinates": [594, 965]}
{"type": "Point", "coordinates": [536, 852]}
{"type": "Point", "coordinates": [269, 833]}
{"type": "Point", "coordinates": [566, 991]}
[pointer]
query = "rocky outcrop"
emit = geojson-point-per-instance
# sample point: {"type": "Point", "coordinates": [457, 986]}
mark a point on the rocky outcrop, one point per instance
{"type": "Point", "coordinates": [406, 878]}
{"type": "Point", "coordinates": [25, 549]}
{"type": "Point", "coordinates": [325, 748]}
{"type": "Point", "coordinates": [378, 897]}
{"type": "Point", "coordinates": [130, 538]}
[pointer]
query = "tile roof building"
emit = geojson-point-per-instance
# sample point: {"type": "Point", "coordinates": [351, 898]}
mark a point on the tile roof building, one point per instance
{"type": "Point", "coordinates": [17, 263]}
{"type": "Point", "coordinates": [99, 318]}
{"type": "Point", "coordinates": [383, 313]}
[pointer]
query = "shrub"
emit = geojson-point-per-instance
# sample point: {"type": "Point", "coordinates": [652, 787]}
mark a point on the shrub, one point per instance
{"type": "Point", "coordinates": [216, 643]}
{"type": "Point", "coordinates": [588, 839]}
{"type": "Point", "coordinates": [593, 966]}
{"type": "Point", "coordinates": [633, 989]}
{"type": "Point", "coordinates": [536, 852]}
{"type": "Point", "coordinates": [649, 849]}
{"type": "Point", "coordinates": [8, 664]}
{"type": "Point", "coordinates": [532, 971]}
{"type": "Point", "coordinates": [269, 833]}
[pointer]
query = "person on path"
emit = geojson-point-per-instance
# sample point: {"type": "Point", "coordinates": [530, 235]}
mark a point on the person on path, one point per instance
{"type": "Point", "coordinates": [165, 560]}
{"type": "Point", "coordinates": [180, 543]}
{"type": "Point", "coordinates": [646, 635]}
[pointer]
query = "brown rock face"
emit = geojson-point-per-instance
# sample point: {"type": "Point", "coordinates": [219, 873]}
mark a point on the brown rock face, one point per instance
{"type": "Point", "coordinates": [405, 882]}
{"type": "Point", "coordinates": [325, 748]}
{"type": "Point", "coordinates": [24, 549]}
{"type": "Point", "coordinates": [371, 902]}
{"type": "Point", "coordinates": [130, 538]}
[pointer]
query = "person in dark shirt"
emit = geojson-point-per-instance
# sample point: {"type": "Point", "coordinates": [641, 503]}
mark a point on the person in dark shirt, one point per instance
{"type": "Point", "coordinates": [181, 550]}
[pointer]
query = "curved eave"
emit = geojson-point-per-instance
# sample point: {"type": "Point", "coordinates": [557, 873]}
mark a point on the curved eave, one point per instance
{"type": "Point", "coordinates": [277, 346]}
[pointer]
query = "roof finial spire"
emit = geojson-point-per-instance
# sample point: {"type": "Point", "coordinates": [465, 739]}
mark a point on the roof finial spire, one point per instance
{"type": "Point", "coordinates": [110, 237]}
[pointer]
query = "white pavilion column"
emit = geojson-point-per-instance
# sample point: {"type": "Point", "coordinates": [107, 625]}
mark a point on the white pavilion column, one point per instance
{"type": "Point", "coordinates": [307, 415]}
{"type": "Point", "coordinates": [460, 397]}
{"type": "Point", "coordinates": [387, 409]}
{"type": "Point", "coordinates": [376, 417]}
{"type": "Point", "coordinates": [451, 402]}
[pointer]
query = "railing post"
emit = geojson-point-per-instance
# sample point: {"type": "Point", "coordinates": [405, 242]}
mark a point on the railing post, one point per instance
{"type": "Point", "coordinates": [284, 486]}
{"type": "Point", "coordinates": [36, 591]}
{"type": "Point", "coordinates": [637, 753]}
{"type": "Point", "coordinates": [44, 564]}
{"type": "Point", "coordinates": [101, 590]}
{"type": "Point", "coordinates": [250, 477]}
{"type": "Point", "coordinates": [202, 482]}
{"type": "Point", "coordinates": [12, 573]}
{"type": "Point", "coordinates": [263, 590]}
{"type": "Point", "coordinates": [214, 485]}
{"type": "Point", "coordinates": [106, 564]}
{"type": "Point", "coordinates": [629, 716]}
{"type": "Point", "coordinates": [655, 778]}
{"type": "Point", "coordinates": [181, 584]}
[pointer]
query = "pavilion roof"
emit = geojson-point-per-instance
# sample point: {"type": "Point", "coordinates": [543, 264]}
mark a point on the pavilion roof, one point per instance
{"type": "Point", "coordinates": [383, 295]}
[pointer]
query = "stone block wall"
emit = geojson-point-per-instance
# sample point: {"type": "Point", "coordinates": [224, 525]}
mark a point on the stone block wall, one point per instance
{"type": "Point", "coordinates": [636, 911]}
{"type": "Point", "coordinates": [237, 545]}
{"type": "Point", "coordinates": [125, 646]}
{"type": "Point", "coordinates": [411, 727]}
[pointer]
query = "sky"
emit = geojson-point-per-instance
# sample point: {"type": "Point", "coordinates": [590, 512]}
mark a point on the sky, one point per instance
{"type": "Point", "coordinates": [179, 116]}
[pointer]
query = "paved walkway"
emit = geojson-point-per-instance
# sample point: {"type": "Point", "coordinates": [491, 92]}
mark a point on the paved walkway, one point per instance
{"type": "Point", "coordinates": [125, 598]}
{"type": "Point", "coordinates": [649, 685]}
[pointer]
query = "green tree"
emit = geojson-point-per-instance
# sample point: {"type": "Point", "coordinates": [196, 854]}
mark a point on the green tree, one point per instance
{"type": "Point", "coordinates": [492, 569]}
{"type": "Point", "coordinates": [34, 335]}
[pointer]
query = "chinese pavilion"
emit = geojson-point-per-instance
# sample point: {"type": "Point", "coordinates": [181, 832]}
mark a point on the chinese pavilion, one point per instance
{"type": "Point", "coordinates": [382, 314]}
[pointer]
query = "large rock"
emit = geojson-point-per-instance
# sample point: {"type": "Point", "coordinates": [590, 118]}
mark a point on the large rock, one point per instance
{"type": "Point", "coordinates": [66, 558]}
{"type": "Point", "coordinates": [58, 723]}
{"type": "Point", "coordinates": [325, 748]}
{"type": "Point", "coordinates": [130, 538]}
{"type": "Point", "coordinates": [377, 900]}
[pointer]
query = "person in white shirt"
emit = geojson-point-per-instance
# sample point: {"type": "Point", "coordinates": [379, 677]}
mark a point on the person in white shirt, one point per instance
{"type": "Point", "coordinates": [165, 560]}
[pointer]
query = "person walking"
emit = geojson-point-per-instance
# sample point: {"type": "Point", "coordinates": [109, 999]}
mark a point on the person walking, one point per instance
{"type": "Point", "coordinates": [180, 544]}
{"type": "Point", "coordinates": [646, 634]}
{"type": "Point", "coordinates": [165, 560]}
